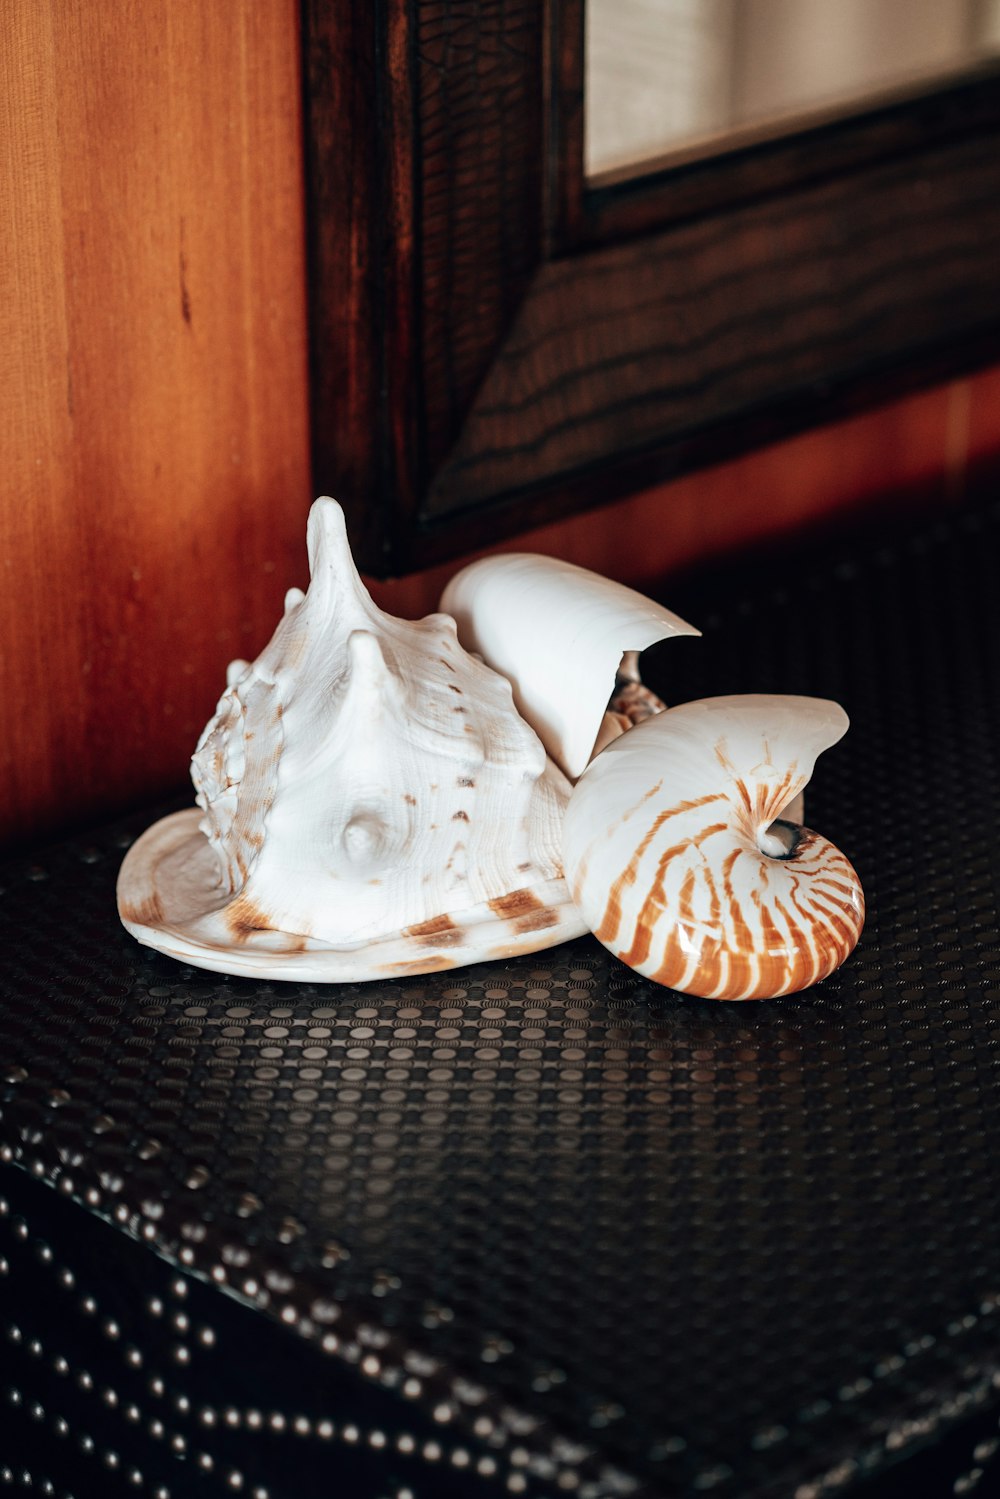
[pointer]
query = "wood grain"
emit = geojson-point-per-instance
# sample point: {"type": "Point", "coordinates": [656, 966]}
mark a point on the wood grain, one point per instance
{"type": "Point", "coordinates": [359, 234]}
{"type": "Point", "coordinates": [666, 334]}
{"type": "Point", "coordinates": [896, 460]}
{"type": "Point", "coordinates": [479, 103]}
{"type": "Point", "coordinates": [152, 384]}
{"type": "Point", "coordinates": [527, 348]}
{"type": "Point", "coordinates": [425, 224]}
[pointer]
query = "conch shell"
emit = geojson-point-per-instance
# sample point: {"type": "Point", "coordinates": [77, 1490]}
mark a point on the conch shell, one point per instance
{"type": "Point", "coordinates": [561, 635]}
{"type": "Point", "coordinates": [677, 859]}
{"type": "Point", "coordinates": [372, 803]}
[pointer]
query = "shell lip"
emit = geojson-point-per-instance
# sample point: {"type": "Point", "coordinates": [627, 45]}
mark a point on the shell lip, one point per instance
{"type": "Point", "coordinates": [559, 633]}
{"type": "Point", "coordinates": [170, 899]}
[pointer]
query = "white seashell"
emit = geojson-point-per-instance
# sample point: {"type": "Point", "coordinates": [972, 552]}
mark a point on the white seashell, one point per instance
{"type": "Point", "coordinates": [372, 804]}
{"type": "Point", "coordinates": [559, 633]}
{"type": "Point", "coordinates": [678, 864]}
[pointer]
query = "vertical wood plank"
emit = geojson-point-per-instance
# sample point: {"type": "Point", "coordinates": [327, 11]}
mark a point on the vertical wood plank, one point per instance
{"type": "Point", "coordinates": [480, 83]}
{"type": "Point", "coordinates": [152, 383]}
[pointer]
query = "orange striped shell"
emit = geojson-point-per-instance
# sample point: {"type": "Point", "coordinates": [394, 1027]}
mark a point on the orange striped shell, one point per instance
{"type": "Point", "coordinates": [679, 863]}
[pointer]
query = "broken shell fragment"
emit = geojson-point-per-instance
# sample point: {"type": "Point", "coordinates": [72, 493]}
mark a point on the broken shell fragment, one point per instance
{"type": "Point", "coordinates": [560, 634]}
{"type": "Point", "coordinates": [631, 702]}
{"type": "Point", "coordinates": [678, 857]}
{"type": "Point", "coordinates": [371, 803]}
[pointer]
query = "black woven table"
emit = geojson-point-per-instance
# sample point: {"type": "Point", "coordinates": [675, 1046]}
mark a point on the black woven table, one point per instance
{"type": "Point", "coordinates": [539, 1227]}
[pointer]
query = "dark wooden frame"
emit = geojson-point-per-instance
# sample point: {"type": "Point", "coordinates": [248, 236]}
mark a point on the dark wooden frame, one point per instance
{"type": "Point", "coordinates": [494, 344]}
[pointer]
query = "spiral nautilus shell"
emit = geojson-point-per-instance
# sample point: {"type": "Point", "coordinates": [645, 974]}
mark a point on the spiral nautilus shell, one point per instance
{"type": "Point", "coordinates": [679, 860]}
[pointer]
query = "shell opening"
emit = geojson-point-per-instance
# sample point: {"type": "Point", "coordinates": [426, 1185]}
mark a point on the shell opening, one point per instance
{"type": "Point", "coordinates": [630, 695]}
{"type": "Point", "coordinates": [631, 702]}
{"type": "Point", "coordinates": [780, 839]}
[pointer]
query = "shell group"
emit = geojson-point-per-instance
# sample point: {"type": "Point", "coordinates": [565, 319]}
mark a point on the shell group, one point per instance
{"type": "Point", "coordinates": [384, 797]}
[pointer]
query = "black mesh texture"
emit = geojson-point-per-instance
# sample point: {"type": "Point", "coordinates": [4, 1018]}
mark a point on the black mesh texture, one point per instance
{"type": "Point", "coordinates": [651, 1244]}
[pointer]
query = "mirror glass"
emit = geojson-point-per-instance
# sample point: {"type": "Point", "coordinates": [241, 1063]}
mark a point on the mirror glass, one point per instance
{"type": "Point", "coordinates": [674, 78]}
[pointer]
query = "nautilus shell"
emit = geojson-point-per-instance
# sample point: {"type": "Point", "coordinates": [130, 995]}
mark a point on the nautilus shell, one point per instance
{"type": "Point", "coordinates": [372, 804]}
{"type": "Point", "coordinates": [678, 857]}
{"type": "Point", "coordinates": [380, 797]}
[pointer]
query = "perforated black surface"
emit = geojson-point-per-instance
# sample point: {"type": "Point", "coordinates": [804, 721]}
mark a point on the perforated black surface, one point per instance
{"type": "Point", "coordinates": [650, 1244]}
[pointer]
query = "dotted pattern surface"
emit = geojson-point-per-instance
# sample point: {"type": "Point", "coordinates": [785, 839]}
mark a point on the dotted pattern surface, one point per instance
{"type": "Point", "coordinates": [669, 1246]}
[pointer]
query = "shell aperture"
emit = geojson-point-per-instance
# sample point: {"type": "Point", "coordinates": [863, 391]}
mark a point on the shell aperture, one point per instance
{"type": "Point", "coordinates": [679, 863]}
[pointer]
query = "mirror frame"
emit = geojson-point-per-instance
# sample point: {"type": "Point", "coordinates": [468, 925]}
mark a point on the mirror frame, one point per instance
{"type": "Point", "coordinates": [495, 344]}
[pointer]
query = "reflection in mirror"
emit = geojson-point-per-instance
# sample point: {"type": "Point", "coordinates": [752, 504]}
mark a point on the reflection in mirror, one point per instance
{"type": "Point", "coordinates": [692, 76]}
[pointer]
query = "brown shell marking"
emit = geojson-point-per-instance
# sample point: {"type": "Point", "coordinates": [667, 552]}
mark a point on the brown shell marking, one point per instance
{"type": "Point", "coordinates": [440, 931]}
{"type": "Point", "coordinates": [611, 921]}
{"type": "Point", "coordinates": [749, 955]}
{"type": "Point", "coordinates": [146, 912]}
{"type": "Point", "coordinates": [768, 800]}
{"type": "Point", "coordinates": [524, 911]}
{"type": "Point", "coordinates": [243, 919]}
{"type": "Point", "coordinates": [674, 966]}
{"type": "Point", "coordinates": [433, 963]}
{"type": "Point", "coordinates": [741, 962]}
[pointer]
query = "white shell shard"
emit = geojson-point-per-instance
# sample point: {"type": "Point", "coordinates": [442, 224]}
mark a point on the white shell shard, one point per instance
{"type": "Point", "coordinates": [558, 633]}
{"type": "Point", "coordinates": [372, 803]}
{"type": "Point", "coordinates": [678, 864]}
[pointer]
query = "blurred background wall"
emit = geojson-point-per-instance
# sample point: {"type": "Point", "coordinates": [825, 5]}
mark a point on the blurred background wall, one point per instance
{"type": "Point", "coordinates": [153, 402]}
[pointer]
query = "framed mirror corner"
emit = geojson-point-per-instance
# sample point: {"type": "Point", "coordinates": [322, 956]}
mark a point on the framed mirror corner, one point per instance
{"type": "Point", "coordinates": [509, 327]}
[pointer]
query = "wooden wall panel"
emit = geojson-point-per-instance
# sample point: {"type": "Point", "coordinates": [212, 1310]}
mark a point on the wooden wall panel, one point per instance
{"type": "Point", "coordinates": [153, 401]}
{"type": "Point", "coordinates": [152, 383]}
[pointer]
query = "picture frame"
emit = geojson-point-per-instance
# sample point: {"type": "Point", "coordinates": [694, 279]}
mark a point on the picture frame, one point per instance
{"type": "Point", "coordinates": [496, 343]}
